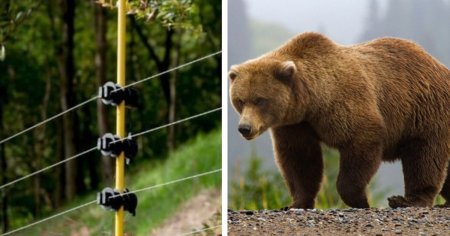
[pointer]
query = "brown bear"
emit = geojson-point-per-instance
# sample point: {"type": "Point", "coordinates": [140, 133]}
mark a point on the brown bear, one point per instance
{"type": "Point", "coordinates": [383, 100]}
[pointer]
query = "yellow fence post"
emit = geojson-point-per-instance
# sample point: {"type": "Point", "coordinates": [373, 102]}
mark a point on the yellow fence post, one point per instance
{"type": "Point", "coordinates": [120, 121]}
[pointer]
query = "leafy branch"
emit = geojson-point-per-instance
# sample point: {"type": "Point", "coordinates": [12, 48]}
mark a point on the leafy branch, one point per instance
{"type": "Point", "coordinates": [173, 14]}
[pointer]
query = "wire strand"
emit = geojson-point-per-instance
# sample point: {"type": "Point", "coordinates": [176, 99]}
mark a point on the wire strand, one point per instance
{"type": "Point", "coordinates": [176, 122]}
{"type": "Point", "coordinates": [174, 181]}
{"type": "Point", "coordinates": [200, 230]}
{"type": "Point", "coordinates": [89, 150]}
{"type": "Point", "coordinates": [46, 168]}
{"type": "Point", "coordinates": [94, 148]}
{"type": "Point", "coordinates": [48, 218]}
{"type": "Point", "coordinates": [172, 69]}
{"type": "Point", "coordinates": [49, 119]}
{"type": "Point", "coordinates": [91, 202]}
{"type": "Point", "coordinates": [94, 98]}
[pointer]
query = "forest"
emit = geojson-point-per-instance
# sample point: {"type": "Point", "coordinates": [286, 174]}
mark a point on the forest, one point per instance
{"type": "Point", "coordinates": [55, 55]}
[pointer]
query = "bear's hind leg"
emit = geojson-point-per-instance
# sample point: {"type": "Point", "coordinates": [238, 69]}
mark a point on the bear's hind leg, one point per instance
{"type": "Point", "coordinates": [299, 157]}
{"type": "Point", "coordinates": [424, 164]}
{"type": "Point", "coordinates": [356, 169]}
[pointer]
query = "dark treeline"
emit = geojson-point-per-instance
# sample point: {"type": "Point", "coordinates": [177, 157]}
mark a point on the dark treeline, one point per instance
{"type": "Point", "coordinates": [425, 22]}
{"type": "Point", "coordinates": [58, 53]}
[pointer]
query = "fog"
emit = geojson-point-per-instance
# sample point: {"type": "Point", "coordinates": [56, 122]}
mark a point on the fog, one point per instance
{"type": "Point", "coordinates": [341, 20]}
{"type": "Point", "coordinates": [258, 26]}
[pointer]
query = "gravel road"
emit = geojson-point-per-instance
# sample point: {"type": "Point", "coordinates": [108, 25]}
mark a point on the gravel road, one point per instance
{"type": "Point", "coordinates": [402, 221]}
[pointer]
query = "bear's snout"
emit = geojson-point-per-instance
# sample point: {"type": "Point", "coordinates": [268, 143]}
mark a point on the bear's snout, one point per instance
{"type": "Point", "coordinates": [245, 129]}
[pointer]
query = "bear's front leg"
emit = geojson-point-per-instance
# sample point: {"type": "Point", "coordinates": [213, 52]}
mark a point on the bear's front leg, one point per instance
{"type": "Point", "coordinates": [359, 162]}
{"type": "Point", "coordinates": [299, 157]}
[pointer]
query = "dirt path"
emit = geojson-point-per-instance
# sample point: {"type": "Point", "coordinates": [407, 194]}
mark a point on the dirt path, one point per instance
{"type": "Point", "coordinates": [406, 221]}
{"type": "Point", "coordinates": [202, 211]}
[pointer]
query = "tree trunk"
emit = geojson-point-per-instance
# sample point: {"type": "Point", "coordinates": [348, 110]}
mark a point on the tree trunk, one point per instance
{"type": "Point", "coordinates": [59, 174]}
{"type": "Point", "coordinates": [100, 74]}
{"type": "Point", "coordinates": [173, 96]}
{"type": "Point", "coordinates": [165, 64]}
{"type": "Point", "coordinates": [93, 164]}
{"type": "Point", "coordinates": [3, 167]}
{"type": "Point", "coordinates": [171, 115]}
{"type": "Point", "coordinates": [39, 147]}
{"type": "Point", "coordinates": [165, 80]}
{"type": "Point", "coordinates": [67, 95]}
{"type": "Point", "coordinates": [4, 179]}
{"type": "Point", "coordinates": [37, 199]}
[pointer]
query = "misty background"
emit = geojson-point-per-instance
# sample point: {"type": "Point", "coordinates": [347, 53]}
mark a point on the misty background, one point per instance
{"type": "Point", "coordinates": [258, 26]}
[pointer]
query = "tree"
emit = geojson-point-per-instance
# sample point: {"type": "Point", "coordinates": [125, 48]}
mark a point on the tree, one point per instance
{"type": "Point", "coordinates": [54, 60]}
{"type": "Point", "coordinates": [67, 94]}
{"type": "Point", "coordinates": [3, 167]}
{"type": "Point", "coordinates": [163, 63]}
{"type": "Point", "coordinates": [424, 22]}
{"type": "Point", "coordinates": [100, 74]}
{"type": "Point", "coordinates": [372, 20]}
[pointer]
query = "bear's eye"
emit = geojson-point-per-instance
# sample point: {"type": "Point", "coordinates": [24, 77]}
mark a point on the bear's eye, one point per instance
{"type": "Point", "coordinates": [260, 101]}
{"type": "Point", "coordinates": [240, 103]}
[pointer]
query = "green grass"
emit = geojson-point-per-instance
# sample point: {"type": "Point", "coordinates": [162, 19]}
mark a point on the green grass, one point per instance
{"type": "Point", "coordinates": [202, 154]}
{"type": "Point", "coordinates": [256, 188]}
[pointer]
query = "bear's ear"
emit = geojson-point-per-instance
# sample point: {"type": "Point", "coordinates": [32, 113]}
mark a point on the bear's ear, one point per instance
{"type": "Point", "coordinates": [232, 74]}
{"type": "Point", "coordinates": [286, 70]}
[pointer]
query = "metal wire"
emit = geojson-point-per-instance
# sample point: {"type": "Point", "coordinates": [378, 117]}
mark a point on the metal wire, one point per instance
{"type": "Point", "coordinates": [175, 181]}
{"type": "Point", "coordinates": [46, 168]}
{"type": "Point", "coordinates": [48, 218]}
{"type": "Point", "coordinates": [89, 150]}
{"type": "Point", "coordinates": [91, 202]}
{"type": "Point", "coordinates": [94, 98]}
{"type": "Point", "coordinates": [172, 69]}
{"type": "Point", "coordinates": [94, 148]}
{"type": "Point", "coordinates": [176, 122]}
{"type": "Point", "coordinates": [200, 230]}
{"type": "Point", "coordinates": [49, 119]}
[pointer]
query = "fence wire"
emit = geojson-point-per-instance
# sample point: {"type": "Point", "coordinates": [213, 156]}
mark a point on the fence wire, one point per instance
{"type": "Point", "coordinates": [96, 97]}
{"type": "Point", "coordinates": [94, 148]}
{"type": "Point", "coordinates": [48, 120]}
{"type": "Point", "coordinates": [200, 230]}
{"type": "Point", "coordinates": [92, 202]}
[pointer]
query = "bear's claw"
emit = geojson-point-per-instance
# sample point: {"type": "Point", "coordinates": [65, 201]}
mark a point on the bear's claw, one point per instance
{"type": "Point", "coordinates": [399, 201]}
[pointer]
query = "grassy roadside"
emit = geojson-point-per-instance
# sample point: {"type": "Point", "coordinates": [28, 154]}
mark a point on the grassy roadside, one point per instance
{"type": "Point", "coordinates": [202, 154]}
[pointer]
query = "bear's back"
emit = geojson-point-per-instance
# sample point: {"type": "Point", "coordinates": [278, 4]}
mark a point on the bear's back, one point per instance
{"type": "Point", "coordinates": [411, 84]}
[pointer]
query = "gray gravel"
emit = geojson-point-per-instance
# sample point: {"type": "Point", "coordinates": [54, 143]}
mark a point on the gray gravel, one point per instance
{"type": "Point", "coordinates": [402, 221]}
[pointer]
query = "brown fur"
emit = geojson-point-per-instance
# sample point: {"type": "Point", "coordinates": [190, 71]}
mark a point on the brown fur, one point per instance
{"type": "Point", "coordinates": [383, 100]}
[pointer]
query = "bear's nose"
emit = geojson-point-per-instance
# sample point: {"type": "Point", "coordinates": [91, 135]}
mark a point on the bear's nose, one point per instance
{"type": "Point", "coordinates": [245, 129]}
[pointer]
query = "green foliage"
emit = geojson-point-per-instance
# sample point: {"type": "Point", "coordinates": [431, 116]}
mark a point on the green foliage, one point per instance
{"type": "Point", "coordinates": [173, 14]}
{"type": "Point", "coordinates": [257, 188]}
{"type": "Point", "coordinates": [12, 15]}
{"type": "Point", "coordinates": [440, 200]}
{"type": "Point", "coordinates": [201, 154]}
{"type": "Point", "coordinates": [30, 92]}
{"type": "Point", "coordinates": [265, 189]}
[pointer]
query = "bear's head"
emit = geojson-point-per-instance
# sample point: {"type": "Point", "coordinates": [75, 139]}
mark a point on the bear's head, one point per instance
{"type": "Point", "coordinates": [265, 93]}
